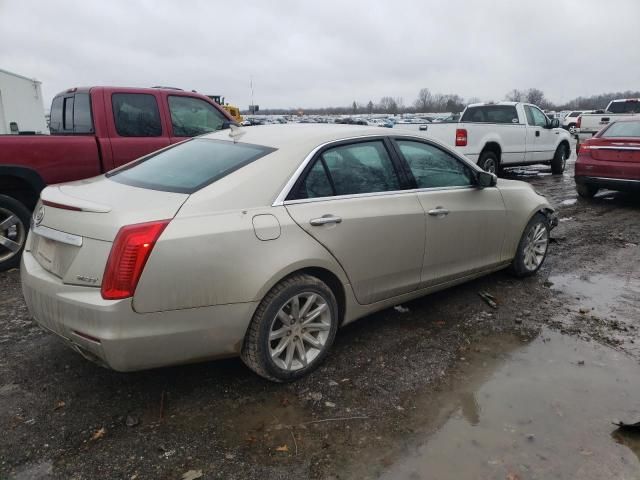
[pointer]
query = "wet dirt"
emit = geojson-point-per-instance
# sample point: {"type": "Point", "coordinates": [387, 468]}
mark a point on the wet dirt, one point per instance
{"type": "Point", "coordinates": [445, 387]}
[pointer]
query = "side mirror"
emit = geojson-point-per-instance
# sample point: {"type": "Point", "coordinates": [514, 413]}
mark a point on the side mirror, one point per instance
{"type": "Point", "coordinates": [486, 179]}
{"type": "Point", "coordinates": [554, 123]}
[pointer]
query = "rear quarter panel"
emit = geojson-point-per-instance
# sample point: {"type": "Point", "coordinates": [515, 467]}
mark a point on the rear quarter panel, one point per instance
{"type": "Point", "coordinates": [213, 259]}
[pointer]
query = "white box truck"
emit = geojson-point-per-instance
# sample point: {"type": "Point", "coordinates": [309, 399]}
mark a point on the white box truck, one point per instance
{"type": "Point", "coordinates": [21, 105]}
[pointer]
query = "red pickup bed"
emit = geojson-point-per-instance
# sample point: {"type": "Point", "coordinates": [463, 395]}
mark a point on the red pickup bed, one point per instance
{"type": "Point", "coordinates": [93, 130]}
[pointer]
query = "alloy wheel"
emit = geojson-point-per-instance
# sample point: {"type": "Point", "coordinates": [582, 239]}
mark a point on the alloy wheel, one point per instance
{"type": "Point", "coordinates": [300, 331]}
{"type": "Point", "coordinates": [536, 247]}
{"type": "Point", "coordinates": [12, 234]}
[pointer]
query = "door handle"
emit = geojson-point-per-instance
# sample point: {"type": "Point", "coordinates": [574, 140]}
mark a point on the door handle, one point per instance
{"type": "Point", "coordinates": [325, 220]}
{"type": "Point", "coordinates": [537, 133]}
{"type": "Point", "coordinates": [438, 212]}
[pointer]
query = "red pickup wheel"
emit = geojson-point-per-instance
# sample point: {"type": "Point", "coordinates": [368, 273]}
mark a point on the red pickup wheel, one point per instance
{"type": "Point", "coordinates": [14, 225]}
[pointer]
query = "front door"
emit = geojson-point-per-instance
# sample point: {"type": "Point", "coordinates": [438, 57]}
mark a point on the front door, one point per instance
{"type": "Point", "coordinates": [540, 139]}
{"type": "Point", "coordinates": [351, 201]}
{"type": "Point", "coordinates": [465, 224]}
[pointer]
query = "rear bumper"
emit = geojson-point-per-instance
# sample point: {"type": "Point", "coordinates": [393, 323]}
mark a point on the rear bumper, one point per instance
{"type": "Point", "coordinates": [109, 332]}
{"type": "Point", "coordinates": [620, 184]}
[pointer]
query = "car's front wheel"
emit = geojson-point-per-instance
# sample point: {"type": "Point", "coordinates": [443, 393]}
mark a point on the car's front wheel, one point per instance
{"type": "Point", "coordinates": [533, 247]}
{"type": "Point", "coordinates": [292, 329]}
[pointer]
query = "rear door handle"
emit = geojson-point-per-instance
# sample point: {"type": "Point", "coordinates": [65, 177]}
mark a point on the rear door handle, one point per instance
{"type": "Point", "coordinates": [438, 212]}
{"type": "Point", "coordinates": [325, 220]}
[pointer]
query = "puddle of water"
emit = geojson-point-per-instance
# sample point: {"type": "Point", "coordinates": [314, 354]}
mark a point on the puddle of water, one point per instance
{"type": "Point", "coordinates": [569, 201]}
{"type": "Point", "coordinates": [539, 413]}
{"type": "Point", "coordinates": [605, 295]}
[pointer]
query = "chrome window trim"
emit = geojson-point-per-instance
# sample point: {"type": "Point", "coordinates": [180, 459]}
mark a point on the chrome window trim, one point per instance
{"type": "Point", "coordinates": [281, 198]}
{"type": "Point", "coordinates": [604, 147]}
{"type": "Point", "coordinates": [57, 235]}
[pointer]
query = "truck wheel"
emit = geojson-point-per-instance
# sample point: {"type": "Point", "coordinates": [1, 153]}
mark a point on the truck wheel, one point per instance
{"type": "Point", "coordinates": [585, 190]}
{"type": "Point", "coordinates": [292, 330]}
{"type": "Point", "coordinates": [559, 161]}
{"type": "Point", "coordinates": [489, 162]}
{"type": "Point", "coordinates": [572, 128]}
{"type": "Point", "coordinates": [14, 225]}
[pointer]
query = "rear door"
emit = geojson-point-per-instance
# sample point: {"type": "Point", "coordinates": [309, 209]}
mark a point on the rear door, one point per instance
{"type": "Point", "coordinates": [351, 200]}
{"type": "Point", "coordinates": [465, 224]}
{"type": "Point", "coordinates": [135, 126]}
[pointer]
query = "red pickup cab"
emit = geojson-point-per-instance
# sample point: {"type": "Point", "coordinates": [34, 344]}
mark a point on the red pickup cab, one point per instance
{"type": "Point", "coordinates": [93, 130]}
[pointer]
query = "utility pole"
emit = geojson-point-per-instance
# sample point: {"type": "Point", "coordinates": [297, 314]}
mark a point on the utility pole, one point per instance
{"type": "Point", "coordinates": [253, 108]}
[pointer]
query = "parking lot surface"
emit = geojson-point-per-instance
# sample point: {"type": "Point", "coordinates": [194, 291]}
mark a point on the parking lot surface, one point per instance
{"type": "Point", "coordinates": [443, 387]}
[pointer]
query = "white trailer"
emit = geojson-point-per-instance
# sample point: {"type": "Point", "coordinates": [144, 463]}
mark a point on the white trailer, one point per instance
{"type": "Point", "coordinates": [21, 105]}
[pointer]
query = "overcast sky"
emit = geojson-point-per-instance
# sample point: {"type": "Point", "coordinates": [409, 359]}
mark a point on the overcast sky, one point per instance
{"type": "Point", "coordinates": [328, 52]}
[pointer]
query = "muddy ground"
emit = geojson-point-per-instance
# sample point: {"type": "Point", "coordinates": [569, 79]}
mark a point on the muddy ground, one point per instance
{"type": "Point", "coordinates": [451, 388]}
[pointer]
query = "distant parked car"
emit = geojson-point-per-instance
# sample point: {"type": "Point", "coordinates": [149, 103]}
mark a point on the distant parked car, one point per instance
{"type": "Point", "coordinates": [570, 120]}
{"type": "Point", "coordinates": [263, 244]}
{"type": "Point", "coordinates": [610, 159]}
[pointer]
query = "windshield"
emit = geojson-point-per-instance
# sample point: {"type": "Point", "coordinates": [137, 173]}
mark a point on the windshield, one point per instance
{"type": "Point", "coordinates": [626, 106]}
{"type": "Point", "coordinates": [622, 130]}
{"type": "Point", "coordinates": [189, 166]}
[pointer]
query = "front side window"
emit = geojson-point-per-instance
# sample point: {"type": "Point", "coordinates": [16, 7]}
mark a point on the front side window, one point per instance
{"type": "Point", "coordinates": [434, 168]}
{"type": "Point", "coordinates": [190, 166]}
{"type": "Point", "coordinates": [535, 117]}
{"type": "Point", "coordinates": [193, 116]}
{"type": "Point", "coordinates": [136, 115]}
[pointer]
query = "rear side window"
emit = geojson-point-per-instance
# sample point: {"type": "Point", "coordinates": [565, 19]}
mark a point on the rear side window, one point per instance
{"type": "Point", "coordinates": [68, 114]}
{"type": "Point", "coordinates": [136, 115]}
{"type": "Point", "coordinates": [363, 167]}
{"type": "Point", "coordinates": [491, 114]}
{"type": "Point", "coordinates": [622, 130]}
{"type": "Point", "coordinates": [628, 106]}
{"type": "Point", "coordinates": [193, 116]}
{"type": "Point", "coordinates": [55, 116]}
{"type": "Point", "coordinates": [190, 166]}
{"type": "Point", "coordinates": [82, 122]}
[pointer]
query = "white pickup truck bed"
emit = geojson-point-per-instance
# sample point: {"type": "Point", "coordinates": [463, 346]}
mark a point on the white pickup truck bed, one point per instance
{"type": "Point", "coordinates": [504, 134]}
{"type": "Point", "coordinates": [592, 123]}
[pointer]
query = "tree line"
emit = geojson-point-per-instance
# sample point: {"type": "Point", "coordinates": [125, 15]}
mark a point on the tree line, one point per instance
{"type": "Point", "coordinates": [427, 102]}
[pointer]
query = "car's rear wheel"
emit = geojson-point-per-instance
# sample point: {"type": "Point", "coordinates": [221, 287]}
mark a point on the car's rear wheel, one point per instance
{"type": "Point", "coordinates": [572, 128]}
{"type": "Point", "coordinates": [533, 247]}
{"type": "Point", "coordinates": [559, 161]}
{"type": "Point", "coordinates": [14, 225]}
{"type": "Point", "coordinates": [586, 190]}
{"type": "Point", "coordinates": [489, 162]}
{"type": "Point", "coordinates": [292, 330]}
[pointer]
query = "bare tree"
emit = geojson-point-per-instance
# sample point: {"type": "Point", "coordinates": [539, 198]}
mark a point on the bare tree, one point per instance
{"type": "Point", "coordinates": [515, 95]}
{"type": "Point", "coordinates": [423, 102]}
{"type": "Point", "coordinates": [389, 105]}
{"type": "Point", "coordinates": [370, 107]}
{"type": "Point", "coordinates": [535, 96]}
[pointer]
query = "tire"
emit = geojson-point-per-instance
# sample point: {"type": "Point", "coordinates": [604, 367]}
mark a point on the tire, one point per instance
{"type": "Point", "coordinates": [559, 161]}
{"type": "Point", "coordinates": [586, 190]}
{"type": "Point", "coordinates": [260, 354]}
{"type": "Point", "coordinates": [489, 162]}
{"type": "Point", "coordinates": [523, 265]}
{"type": "Point", "coordinates": [572, 128]}
{"type": "Point", "coordinates": [14, 226]}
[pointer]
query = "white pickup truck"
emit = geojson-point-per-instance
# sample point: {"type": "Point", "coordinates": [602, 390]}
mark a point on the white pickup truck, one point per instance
{"type": "Point", "coordinates": [591, 123]}
{"type": "Point", "coordinates": [505, 134]}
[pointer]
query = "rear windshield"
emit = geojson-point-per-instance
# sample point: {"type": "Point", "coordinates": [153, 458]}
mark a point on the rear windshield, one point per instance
{"type": "Point", "coordinates": [491, 114]}
{"type": "Point", "coordinates": [189, 166]}
{"type": "Point", "coordinates": [574, 114]}
{"type": "Point", "coordinates": [622, 130]}
{"type": "Point", "coordinates": [628, 106]}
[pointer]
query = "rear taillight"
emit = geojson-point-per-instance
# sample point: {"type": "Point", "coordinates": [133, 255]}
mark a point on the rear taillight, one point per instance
{"type": "Point", "coordinates": [584, 149]}
{"type": "Point", "coordinates": [579, 121]}
{"type": "Point", "coordinates": [129, 253]}
{"type": "Point", "coordinates": [461, 137]}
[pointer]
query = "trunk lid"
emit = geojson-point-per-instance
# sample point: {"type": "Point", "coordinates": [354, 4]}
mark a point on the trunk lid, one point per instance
{"type": "Point", "coordinates": [615, 150]}
{"type": "Point", "coordinates": [75, 224]}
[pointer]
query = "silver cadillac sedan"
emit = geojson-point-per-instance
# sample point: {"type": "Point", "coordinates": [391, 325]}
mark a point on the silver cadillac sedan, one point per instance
{"type": "Point", "coordinates": [263, 242]}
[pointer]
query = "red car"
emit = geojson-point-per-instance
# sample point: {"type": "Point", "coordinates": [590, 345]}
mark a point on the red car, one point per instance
{"type": "Point", "coordinates": [610, 159]}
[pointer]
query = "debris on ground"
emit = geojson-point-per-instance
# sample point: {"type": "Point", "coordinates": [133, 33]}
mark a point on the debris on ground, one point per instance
{"type": "Point", "coordinates": [489, 299]}
{"type": "Point", "coordinates": [628, 427]}
{"type": "Point", "coordinates": [401, 309]}
{"type": "Point", "coordinates": [192, 475]}
{"type": "Point", "coordinates": [98, 434]}
{"type": "Point", "coordinates": [132, 421]}
{"type": "Point", "coordinates": [282, 448]}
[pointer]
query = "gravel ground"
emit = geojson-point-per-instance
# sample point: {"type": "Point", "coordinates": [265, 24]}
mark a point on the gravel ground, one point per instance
{"type": "Point", "coordinates": [63, 417]}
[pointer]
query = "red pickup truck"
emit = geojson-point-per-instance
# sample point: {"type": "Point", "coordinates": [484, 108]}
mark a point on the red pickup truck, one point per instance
{"type": "Point", "coordinates": [93, 130]}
